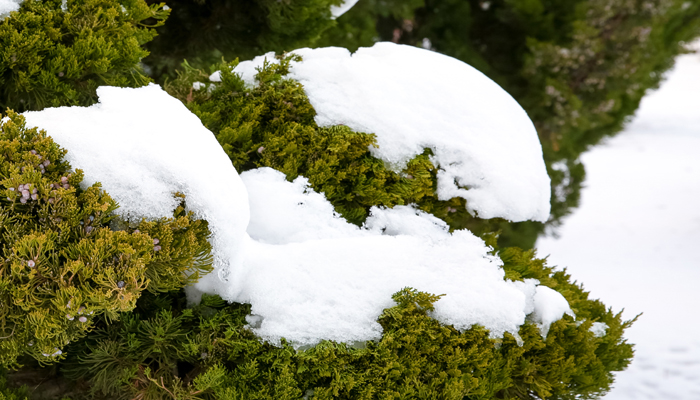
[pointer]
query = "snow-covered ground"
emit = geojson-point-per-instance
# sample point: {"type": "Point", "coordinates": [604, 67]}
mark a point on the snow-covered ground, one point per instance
{"type": "Point", "coordinates": [635, 240]}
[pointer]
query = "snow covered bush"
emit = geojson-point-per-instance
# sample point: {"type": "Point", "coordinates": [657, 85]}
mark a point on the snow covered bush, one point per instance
{"type": "Point", "coordinates": [55, 52]}
{"type": "Point", "coordinates": [578, 67]}
{"type": "Point", "coordinates": [315, 225]}
{"type": "Point", "coordinates": [272, 123]}
{"type": "Point", "coordinates": [67, 262]}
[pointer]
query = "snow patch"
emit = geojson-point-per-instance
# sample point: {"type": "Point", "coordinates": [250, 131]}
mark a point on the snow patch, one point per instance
{"type": "Point", "coordinates": [8, 6]}
{"type": "Point", "coordinates": [550, 306]}
{"type": "Point", "coordinates": [337, 11]}
{"type": "Point", "coordinates": [599, 329]}
{"type": "Point", "coordinates": [311, 275]}
{"type": "Point", "coordinates": [144, 145]}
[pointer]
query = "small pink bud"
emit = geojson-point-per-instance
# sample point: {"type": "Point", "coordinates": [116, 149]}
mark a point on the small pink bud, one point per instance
{"type": "Point", "coordinates": [64, 179]}
{"type": "Point", "coordinates": [137, 231]}
{"type": "Point", "coordinates": [156, 248]}
{"type": "Point", "coordinates": [70, 317]}
{"type": "Point", "coordinates": [88, 229]}
{"type": "Point", "coordinates": [66, 186]}
{"type": "Point", "coordinates": [33, 152]}
{"type": "Point", "coordinates": [12, 189]}
{"type": "Point", "coordinates": [261, 149]}
{"type": "Point", "coordinates": [82, 319]}
{"type": "Point", "coordinates": [46, 163]}
{"type": "Point", "coordinates": [35, 196]}
{"type": "Point", "coordinates": [31, 263]}
{"type": "Point", "coordinates": [23, 200]}
{"type": "Point", "coordinates": [51, 200]}
{"type": "Point", "coordinates": [156, 241]}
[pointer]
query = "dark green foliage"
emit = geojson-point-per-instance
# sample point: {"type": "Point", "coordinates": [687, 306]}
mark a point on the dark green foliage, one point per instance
{"type": "Point", "coordinates": [49, 57]}
{"type": "Point", "coordinates": [207, 352]}
{"type": "Point", "coordinates": [63, 263]}
{"type": "Point", "coordinates": [578, 67]}
{"type": "Point", "coordinates": [272, 125]}
{"type": "Point", "coordinates": [202, 31]}
{"type": "Point", "coordinates": [11, 394]}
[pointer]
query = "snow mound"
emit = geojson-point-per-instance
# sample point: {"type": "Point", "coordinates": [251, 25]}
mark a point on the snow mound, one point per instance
{"type": "Point", "coordinates": [8, 6]}
{"type": "Point", "coordinates": [143, 145]}
{"type": "Point", "coordinates": [283, 212]}
{"type": "Point", "coordinates": [484, 144]}
{"type": "Point", "coordinates": [311, 275]}
{"type": "Point", "coordinates": [550, 306]}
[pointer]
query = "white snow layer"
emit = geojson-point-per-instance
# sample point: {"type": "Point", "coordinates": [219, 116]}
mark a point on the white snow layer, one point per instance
{"type": "Point", "coordinates": [8, 6]}
{"type": "Point", "coordinates": [311, 275]}
{"type": "Point", "coordinates": [308, 274]}
{"type": "Point", "coordinates": [337, 11]}
{"type": "Point", "coordinates": [484, 143]}
{"type": "Point", "coordinates": [144, 145]}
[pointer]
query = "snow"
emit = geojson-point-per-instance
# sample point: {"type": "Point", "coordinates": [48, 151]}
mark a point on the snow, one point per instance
{"type": "Point", "coordinates": [337, 11]}
{"type": "Point", "coordinates": [143, 145]}
{"type": "Point", "coordinates": [308, 274]}
{"type": "Point", "coordinates": [550, 306]}
{"type": "Point", "coordinates": [634, 239]}
{"type": "Point", "coordinates": [8, 6]}
{"type": "Point", "coordinates": [484, 143]}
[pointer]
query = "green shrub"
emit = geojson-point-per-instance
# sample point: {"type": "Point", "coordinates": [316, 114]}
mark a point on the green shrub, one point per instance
{"type": "Point", "coordinates": [50, 57]}
{"type": "Point", "coordinates": [578, 67]}
{"type": "Point", "coordinates": [64, 264]}
{"type": "Point", "coordinates": [208, 352]}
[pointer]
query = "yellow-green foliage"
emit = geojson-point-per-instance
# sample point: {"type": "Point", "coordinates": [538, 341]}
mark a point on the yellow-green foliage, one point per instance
{"type": "Point", "coordinates": [207, 352]}
{"type": "Point", "coordinates": [52, 57]}
{"type": "Point", "coordinates": [272, 125]}
{"type": "Point", "coordinates": [63, 265]}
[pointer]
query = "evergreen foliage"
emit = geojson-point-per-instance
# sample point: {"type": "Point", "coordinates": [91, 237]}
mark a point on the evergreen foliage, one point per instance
{"type": "Point", "coordinates": [208, 352]}
{"type": "Point", "coordinates": [202, 31]}
{"type": "Point", "coordinates": [50, 57]}
{"type": "Point", "coordinates": [66, 259]}
{"type": "Point", "coordinates": [273, 125]}
{"type": "Point", "coordinates": [578, 67]}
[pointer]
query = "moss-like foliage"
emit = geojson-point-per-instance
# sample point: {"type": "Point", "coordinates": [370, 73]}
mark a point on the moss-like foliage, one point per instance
{"type": "Point", "coordinates": [208, 352]}
{"type": "Point", "coordinates": [273, 125]}
{"type": "Point", "coordinates": [53, 57]}
{"type": "Point", "coordinates": [578, 67]}
{"type": "Point", "coordinates": [202, 31]}
{"type": "Point", "coordinates": [63, 263]}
